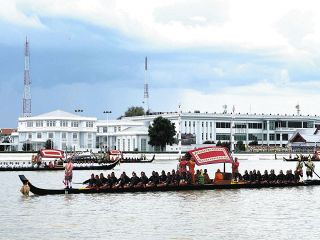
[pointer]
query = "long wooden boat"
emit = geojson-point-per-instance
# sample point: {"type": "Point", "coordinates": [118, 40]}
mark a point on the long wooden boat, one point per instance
{"type": "Point", "coordinates": [40, 191]}
{"type": "Point", "coordinates": [95, 159]}
{"type": "Point", "coordinates": [92, 167]}
{"type": "Point", "coordinates": [297, 159]}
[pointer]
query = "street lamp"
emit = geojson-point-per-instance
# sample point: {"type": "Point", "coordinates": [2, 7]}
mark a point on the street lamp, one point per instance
{"type": "Point", "coordinates": [107, 112]}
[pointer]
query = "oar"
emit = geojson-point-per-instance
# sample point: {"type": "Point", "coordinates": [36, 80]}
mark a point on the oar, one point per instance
{"type": "Point", "coordinates": [310, 168]}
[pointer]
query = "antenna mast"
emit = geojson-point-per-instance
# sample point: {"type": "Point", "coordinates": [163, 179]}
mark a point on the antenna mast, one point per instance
{"type": "Point", "coordinates": [26, 82]}
{"type": "Point", "coordinates": [146, 87]}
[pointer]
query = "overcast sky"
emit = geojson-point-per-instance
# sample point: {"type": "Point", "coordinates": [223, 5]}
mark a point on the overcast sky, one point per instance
{"type": "Point", "coordinates": [261, 55]}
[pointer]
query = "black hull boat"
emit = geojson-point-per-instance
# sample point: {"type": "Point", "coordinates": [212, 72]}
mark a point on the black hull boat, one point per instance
{"type": "Point", "coordinates": [39, 191]}
{"type": "Point", "coordinates": [297, 159]}
{"type": "Point", "coordinates": [132, 160]}
{"type": "Point", "coordinates": [92, 167]}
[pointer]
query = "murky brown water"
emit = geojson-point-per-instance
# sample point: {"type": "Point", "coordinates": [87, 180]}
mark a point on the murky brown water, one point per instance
{"type": "Point", "coordinates": [292, 213]}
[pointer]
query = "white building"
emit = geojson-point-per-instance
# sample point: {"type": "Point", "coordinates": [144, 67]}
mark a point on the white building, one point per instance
{"type": "Point", "coordinates": [66, 130]}
{"type": "Point", "coordinates": [266, 129]}
{"type": "Point", "coordinates": [131, 133]}
{"type": "Point", "coordinates": [123, 135]}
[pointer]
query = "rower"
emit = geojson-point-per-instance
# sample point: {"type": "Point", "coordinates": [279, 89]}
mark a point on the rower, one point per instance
{"type": "Point", "coordinates": [218, 176]}
{"type": "Point", "coordinates": [310, 168]}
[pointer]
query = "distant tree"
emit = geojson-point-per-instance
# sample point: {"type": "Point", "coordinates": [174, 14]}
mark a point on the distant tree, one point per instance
{"type": "Point", "coordinates": [48, 144]}
{"type": "Point", "coordinates": [240, 146]}
{"type": "Point", "coordinates": [161, 132]}
{"type": "Point", "coordinates": [253, 143]}
{"type": "Point", "coordinates": [223, 144]}
{"type": "Point", "coordinates": [27, 147]}
{"type": "Point", "coordinates": [134, 111]}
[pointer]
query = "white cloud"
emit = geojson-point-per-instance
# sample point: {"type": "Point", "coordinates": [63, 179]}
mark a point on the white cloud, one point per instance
{"type": "Point", "coordinates": [262, 97]}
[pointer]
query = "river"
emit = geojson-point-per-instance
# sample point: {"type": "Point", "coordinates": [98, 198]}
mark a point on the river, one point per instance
{"type": "Point", "coordinates": [286, 213]}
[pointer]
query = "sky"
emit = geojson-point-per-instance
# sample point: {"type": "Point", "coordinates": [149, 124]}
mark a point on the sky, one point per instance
{"type": "Point", "coordinates": [259, 56]}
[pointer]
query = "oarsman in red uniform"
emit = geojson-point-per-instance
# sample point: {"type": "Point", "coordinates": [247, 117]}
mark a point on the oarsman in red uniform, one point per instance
{"type": "Point", "coordinates": [183, 167]}
{"type": "Point", "coordinates": [68, 174]}
{"type": "Point", "coordinates": [235, 169]}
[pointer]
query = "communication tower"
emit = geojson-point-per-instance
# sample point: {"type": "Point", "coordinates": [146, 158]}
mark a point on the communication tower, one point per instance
{"type": "Point", "coordinates": [146, 87]}
{"type": "Point", "coordinates": [26, 82]}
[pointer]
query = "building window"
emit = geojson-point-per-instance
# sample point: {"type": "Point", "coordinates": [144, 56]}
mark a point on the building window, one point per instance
{"type": "Point", "coordinates": [39, 135]}
{"type": "Point", "coordinates": [64, 123]}
{"type": "Point", "coordinates": [74, 136]}
{"type": "Point", "coordinates": [222, 125]}
{"type": "Point", "coordinates": [29, 124]}
{"type": "Point", "coordinates": [278, 137]}
{"type": "Point", "coordinates": [123, 144]}
{"type": "Point", "coordinates": [115, 129]}
{"type": "Point", "coordinates": [255, 125]}
{"type": "Point", "coordinates": [118, 144]}
{"type": "Point", "coordinates": [39, 123]}
{"type": "Point", "coordinates": [265, 137]}
{"type": "Point", "coordinates": [50, 135]}
{"type": "Point", "coordinates": [223, 137]}
{"type": "Point", "coordinates": [194, 123]}
{"type": "Point", "coordinates": [271, 137]}
{"type": "Point", "coordinates": [105, 129]}
{"type": "Point", "coordinates": [293, 124]}
{"type": "Point", "coordinates": [134, 144]}
{"type": "Point", "coordinates": [285, 137]}
{"type": "Point", "coordinates": [202, 136]}
{"type": "Point", "coordinates": [89, 135]}
{"type": "Point", "coordinates": [272, 125]}
{"type": "Point", "coordinates": [265, 125]}
{"type": "Point", "coordinates": [29, 135]}
{"type": "Point", "coordinates": [143, 145]}
{"type": "Point", "coordinates": [51, 123]}
{"type": "Point", "coordinates": [210, 135]}
{"type": "Point", "coordinates": [254, 137]}
{"type": "Point", "coordinates": [119, 129]}
{"type": "Point", "coordinates": [74, 124]}
{"type": "Point", "coordinates": [202, 124]}
{"type": "Point", "coordinates": [129, 149]}
{"type": "Point", "coordinates": [240, 125]}
{"type": "Point", "coordinates": [185, 123]}
{"type": "Point", "coordinates": [64, 135]}
{"type": "Point", "coordinates": [189, 123]}
{"type": "Point", "coordinates": [240, 137]}
{"type": "Point", "coordinates": [89, 124]}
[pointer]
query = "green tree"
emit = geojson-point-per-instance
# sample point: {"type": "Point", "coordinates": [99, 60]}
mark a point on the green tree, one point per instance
{"type": "Point", "coordinates": [240, 146]}
{"type": "Point", "coordinates": [161, 132]}
{"type": "Point", "coordinates": [134, 111]}
{"type": "Point", "coordinates": [48, 144]}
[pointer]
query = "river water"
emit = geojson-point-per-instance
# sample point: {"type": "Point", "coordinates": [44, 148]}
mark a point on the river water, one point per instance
{"type": "Point", "coordinates": [286, 213]}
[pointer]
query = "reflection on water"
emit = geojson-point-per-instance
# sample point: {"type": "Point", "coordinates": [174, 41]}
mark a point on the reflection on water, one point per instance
{"type": "Point", "coordinates": [290, 213]}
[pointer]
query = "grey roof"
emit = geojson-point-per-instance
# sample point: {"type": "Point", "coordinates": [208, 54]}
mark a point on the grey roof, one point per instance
{"type": "Point", "coordinates": [58, 114]}
{"type": "Point", "coordinates": [309, 135]}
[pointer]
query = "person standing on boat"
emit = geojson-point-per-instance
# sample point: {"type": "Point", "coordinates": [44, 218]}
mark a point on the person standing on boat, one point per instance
{"type": "Point", "coordinates": [310, 168]}
{"type": "Point", "coordinates": [299, 167]}
{"type": "Point", "coordinates": [235, 169]}
{"type": "Point", "coordinates": [191, 165]}
{"type": "Point", "coordinates": [68, 174]}
{"type": "Point", "coordinates": [183, 167]}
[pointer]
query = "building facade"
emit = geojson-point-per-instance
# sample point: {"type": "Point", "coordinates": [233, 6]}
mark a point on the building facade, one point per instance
{"type": "Point", "coordinates": [75, 132]}
{"type": "Point", "coordinates": [65, 130]}
{"type": "Point", "coordinates": [265, 129]}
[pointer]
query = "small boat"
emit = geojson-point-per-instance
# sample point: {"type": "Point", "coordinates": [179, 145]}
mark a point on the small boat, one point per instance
{"type": "Point", "coordinates": [59, 168]}
{"type": "Point", "coordinates": [297, 159]}
{"type": "Point", "coordinates": [40, 191]}
{"type": "Point", "coordinates": [134, 160]}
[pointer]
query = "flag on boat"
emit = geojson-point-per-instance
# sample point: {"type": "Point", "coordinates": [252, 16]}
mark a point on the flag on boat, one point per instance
{"type": "Point", "coordinates": [51, 153]}
{"type": "Point", "coordinates": [211, 155]}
